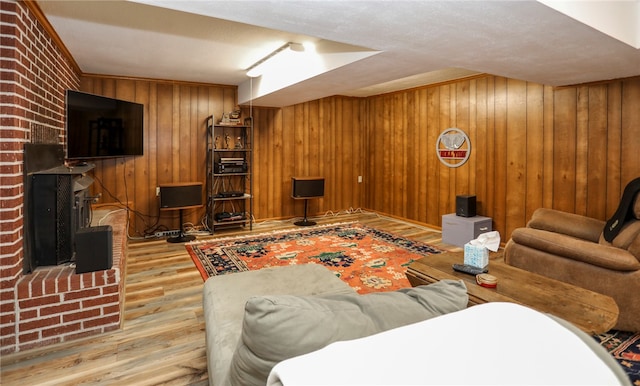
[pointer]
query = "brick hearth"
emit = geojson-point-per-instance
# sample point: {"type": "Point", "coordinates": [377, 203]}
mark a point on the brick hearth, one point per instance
{"type": "Point", "coordinates": [54, 304]}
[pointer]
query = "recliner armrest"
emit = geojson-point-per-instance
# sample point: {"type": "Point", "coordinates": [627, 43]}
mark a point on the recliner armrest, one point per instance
{"type": "Point", "coordinates": [576, 249]}
{"type": "Point", "coordinates": [570, 224]}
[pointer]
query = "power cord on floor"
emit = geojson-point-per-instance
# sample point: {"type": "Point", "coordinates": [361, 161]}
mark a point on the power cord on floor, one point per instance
{"type": "Point", "coordinates": [346, 211]}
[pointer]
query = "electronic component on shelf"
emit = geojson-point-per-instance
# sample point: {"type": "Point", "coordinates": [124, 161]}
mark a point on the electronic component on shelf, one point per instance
{"type": "Point", "coordinates": [232, 160]}
{"type": "Point", "coordinates": [229, 216]}
{"type": "Point", "coordinates": [230, 194]}
{"type": "Point", "coordinates": [231, 165]}
{"type": "Point", "coordinates": [222, 168]}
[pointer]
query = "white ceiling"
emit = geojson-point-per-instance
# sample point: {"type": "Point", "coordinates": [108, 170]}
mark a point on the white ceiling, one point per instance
{"type": "Point", "coordinates": [375, 46]}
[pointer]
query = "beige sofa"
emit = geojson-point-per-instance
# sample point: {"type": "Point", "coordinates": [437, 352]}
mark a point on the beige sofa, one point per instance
{"type": "Point", "coordinates": [572, 248]}
{"type": "Point", "coordinates": [256, 319]}
{"type": "Point", "coordinates": [225, 297]}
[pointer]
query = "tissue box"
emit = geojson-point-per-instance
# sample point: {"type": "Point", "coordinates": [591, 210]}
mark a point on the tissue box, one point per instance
{"type": "Point", "coordinates": [476, 256]}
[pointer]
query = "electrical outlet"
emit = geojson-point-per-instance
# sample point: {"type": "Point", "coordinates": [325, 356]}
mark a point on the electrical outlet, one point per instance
{"type": "Point", "coordinates": [157, 191]}
{"type": "Point", "coordinates": [359, 179]}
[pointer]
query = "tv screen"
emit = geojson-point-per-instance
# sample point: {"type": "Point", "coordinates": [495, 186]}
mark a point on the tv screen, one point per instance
{"type": "Point", "coordinates": [102, 127]}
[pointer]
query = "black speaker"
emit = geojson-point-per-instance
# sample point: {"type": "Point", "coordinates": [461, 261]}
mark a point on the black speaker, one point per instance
{"type": "Point", "coordinates": [181, 195]}
{"type": "Point", "coordinates": [466, 206]}
{"type": "Point", "coordinates": [94, 249]}
{"type": "Point", "coordinates": [307, 187]}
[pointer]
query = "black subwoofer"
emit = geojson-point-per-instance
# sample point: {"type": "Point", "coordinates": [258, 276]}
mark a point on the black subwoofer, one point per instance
{"type": "Point", "coordinates": [466, 206]}
{"type": "Point", "coordinates": [94, 249]}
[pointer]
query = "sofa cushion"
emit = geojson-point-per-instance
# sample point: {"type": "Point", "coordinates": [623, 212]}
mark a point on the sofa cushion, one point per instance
{"type": "Point", "coordinates": [604, 256]}
{"type": "Point", "coordinates": [570, 224]}
{"type": "Point", "coordinates": [225, 296]}
{"type": "Point", "coordinates": [628, 238]}
{"type": "Point", "coordinates": [280, 327]}
{"type": "Point", "coordinates": [627, 234]}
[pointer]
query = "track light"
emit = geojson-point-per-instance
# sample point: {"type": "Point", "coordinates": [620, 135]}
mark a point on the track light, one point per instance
{"type": "Point", "coordinates": [277, 58]}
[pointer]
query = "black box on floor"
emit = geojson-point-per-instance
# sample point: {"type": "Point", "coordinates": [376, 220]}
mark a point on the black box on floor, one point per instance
{"type": "Point", "coordinates": [466, 206]}
{"type": "Point", "coordinates": [94, 249]}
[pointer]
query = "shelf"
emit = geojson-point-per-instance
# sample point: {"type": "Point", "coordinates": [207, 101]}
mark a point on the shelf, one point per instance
{"type": "Point", "coordinates": [230, 174]}
{"type": "Point", "coordinates": [227, 135]}
{"type": "Point", "coordinates": [68, 169]}
{"type": "Point", "coordinates": [233, 222]}
{"type": "Point", "coordinates": [246, 196]}
{"type": "Point", "coordinates": [245, 218]}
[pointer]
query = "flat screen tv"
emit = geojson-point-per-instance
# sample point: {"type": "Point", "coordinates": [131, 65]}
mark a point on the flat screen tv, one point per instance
{"type": "Point", "coordinates": [102, 127]}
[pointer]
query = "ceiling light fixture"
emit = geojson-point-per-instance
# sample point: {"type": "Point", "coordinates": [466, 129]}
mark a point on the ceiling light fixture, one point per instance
{"type": "Point", "coordinates": [279, 56]}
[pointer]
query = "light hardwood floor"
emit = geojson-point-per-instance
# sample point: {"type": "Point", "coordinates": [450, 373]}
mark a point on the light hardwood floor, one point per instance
{"type": "Point", "coordinates": [162, 339]}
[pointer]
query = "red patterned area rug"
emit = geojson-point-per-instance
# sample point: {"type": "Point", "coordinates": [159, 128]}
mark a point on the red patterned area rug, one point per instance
{"type": "Point", "coordinates": [366, 258]}
{"type": "Point", "coordinates": [625, 347]}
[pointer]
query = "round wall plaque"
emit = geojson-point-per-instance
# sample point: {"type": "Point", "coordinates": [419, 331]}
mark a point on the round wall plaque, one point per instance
{"type": "Point", "coordinates": [453, 147]}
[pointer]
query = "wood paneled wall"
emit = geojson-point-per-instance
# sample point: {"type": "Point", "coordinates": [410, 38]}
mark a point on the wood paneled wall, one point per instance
{"type": "Point", "coordinates": [325, 137]}
{"type": "Point", "coordinates": [174, 148]}
{"type": "Point", "coordinates": [571, 148]}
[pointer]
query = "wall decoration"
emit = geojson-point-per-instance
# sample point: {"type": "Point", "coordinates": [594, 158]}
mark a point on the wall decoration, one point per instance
{"type": "Point", "coordinates": [453, 147]}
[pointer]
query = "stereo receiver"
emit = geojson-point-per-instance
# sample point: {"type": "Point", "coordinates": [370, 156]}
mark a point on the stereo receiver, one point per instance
{"type": "Point", "coordinates": [231, 165]}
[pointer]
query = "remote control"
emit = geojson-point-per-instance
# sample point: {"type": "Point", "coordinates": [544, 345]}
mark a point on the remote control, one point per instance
{"type": "Point", "coordinates": [470, 269]}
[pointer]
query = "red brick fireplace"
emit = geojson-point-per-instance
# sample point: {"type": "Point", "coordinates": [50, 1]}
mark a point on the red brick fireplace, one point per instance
{"type": "Point", "coordinates": [52, 304]}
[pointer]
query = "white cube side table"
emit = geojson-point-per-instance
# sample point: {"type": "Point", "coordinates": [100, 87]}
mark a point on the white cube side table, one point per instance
{"type": "Point", "coordinates": [458, 230]}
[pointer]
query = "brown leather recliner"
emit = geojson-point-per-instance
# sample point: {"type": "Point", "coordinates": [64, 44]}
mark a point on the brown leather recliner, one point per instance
{"type": "Point", "coordinates": [572, 248]}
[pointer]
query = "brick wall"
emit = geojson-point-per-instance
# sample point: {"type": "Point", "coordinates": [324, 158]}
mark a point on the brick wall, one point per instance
{"type": "Point", "coordinates": [34, 76]}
